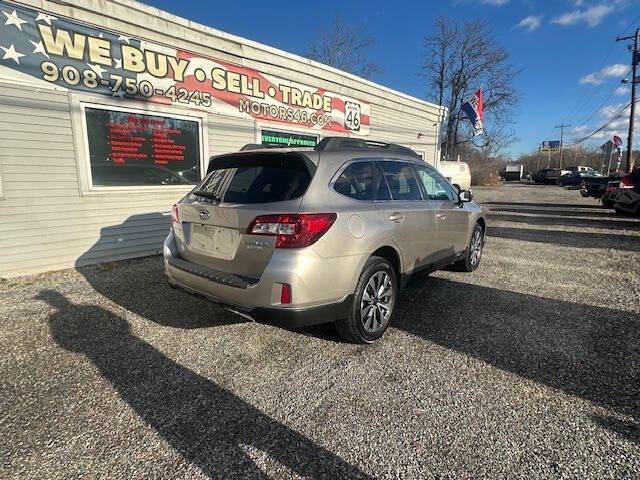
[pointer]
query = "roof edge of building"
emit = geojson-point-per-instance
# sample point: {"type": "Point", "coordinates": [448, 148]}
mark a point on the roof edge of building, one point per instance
{"type": "Point", "coordinates": [185, 22]}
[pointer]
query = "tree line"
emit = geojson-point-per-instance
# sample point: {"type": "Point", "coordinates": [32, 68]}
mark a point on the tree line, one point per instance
{"type": "Point", "coordinates": [459, 57]}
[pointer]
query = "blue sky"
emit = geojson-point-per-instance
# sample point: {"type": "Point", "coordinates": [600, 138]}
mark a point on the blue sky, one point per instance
{"type": "Point", "coordinates": [572, 66]}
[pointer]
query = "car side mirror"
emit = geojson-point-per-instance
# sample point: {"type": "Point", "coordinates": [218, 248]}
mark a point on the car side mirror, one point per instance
{"type": "Point", "coordinates": [465, 196]}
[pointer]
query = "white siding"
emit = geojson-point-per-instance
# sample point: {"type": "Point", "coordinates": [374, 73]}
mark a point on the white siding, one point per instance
{"type": "Point", "coordinates": [46, 222]}
{"type": "Point", "coordinates": [416, 130]}
{"type": "Point", "coordinates": [229, 134]}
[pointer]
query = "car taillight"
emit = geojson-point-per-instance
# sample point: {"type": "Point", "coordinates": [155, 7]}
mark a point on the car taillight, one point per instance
{"type": "Point", "coordinates": [174, 215]}
{"type": "Point", "coordinates": [293, 230]}
{"type": "Point", "coordinates": [612, 188]}
{"type": "Point", "coordinates": [625, 182]}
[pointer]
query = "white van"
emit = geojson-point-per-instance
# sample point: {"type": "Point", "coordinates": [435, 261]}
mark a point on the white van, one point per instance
{"type": "Point", "coordinates": [457, 173]}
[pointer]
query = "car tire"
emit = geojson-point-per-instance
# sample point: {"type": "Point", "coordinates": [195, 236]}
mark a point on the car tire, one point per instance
{"type": "Point", "coordinates": [473, 253]}
{"type": "Point", "coordinates": [372, 307]}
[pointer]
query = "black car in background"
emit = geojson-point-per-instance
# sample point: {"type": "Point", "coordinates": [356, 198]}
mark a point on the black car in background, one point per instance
{"type": "Point", "coordinates": [547, 176]}
{"type": "Point", "coordinates": [575, 178]}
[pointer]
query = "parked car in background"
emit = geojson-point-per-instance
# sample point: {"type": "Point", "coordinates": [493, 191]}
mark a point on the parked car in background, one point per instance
{"type": "Point", "coordinates": [457, 173]}
{"type": "Point", "coordinates": [581, 169]}
{"type": "Point", "coordinates": [548, 176]}
{"type": "Point", "coordinates": [627, 199]}
{"type": "Point", "coordinates": [576, 177]}
{"type": "Point", "coordinates": [303, 237]}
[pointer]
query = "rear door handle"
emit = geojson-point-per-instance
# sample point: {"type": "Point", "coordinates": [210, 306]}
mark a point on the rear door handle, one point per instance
{"type": "Point", "coordinates": [396, 217]}
{"type": "Point", "coordinates": [441, 216]}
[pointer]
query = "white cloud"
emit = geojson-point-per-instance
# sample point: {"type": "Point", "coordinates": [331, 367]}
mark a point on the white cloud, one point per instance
{"type": "Point", "coordinates": [619, 126]}
{"type": "Point", "coordinates": [622, 90]}
{"type": "Point", "coordinates": [530, 23]}
{"type": "Point", "coordinates": [611, 110]}
{"type": "Point", "coordinates": [596, 78]}
{"type": "Point", "coordinates": [495, 2]}
{"type": "Point", "coordinates": [592, 16]}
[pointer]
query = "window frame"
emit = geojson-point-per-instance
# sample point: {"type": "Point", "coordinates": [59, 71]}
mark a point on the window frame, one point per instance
{"type": "Point", "coordinates": [79, 105]}
{"type": "Point", "coordinates": [418, 181]}
{"type": "Point", "coordinates": [377, 173]}
{"type": "Point", "coordinates": [343, 168]}
{"type": "Point", "coordinates": [437, 174]}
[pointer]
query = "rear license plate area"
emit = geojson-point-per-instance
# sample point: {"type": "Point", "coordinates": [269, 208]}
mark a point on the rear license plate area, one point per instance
{"type": "Point", "coordinates": [218, 242]}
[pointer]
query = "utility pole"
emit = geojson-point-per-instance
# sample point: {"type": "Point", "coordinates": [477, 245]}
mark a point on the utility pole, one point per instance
{"type": "Point", "coordinates": [634, 64]}
{"type": "Point", "coordinates": [561, 127]}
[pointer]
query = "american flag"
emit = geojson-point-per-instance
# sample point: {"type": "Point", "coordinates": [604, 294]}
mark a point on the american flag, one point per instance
{"type": "Point", "coordinates": [22, 49]}
{"type": "Point", "coordinates": [24, 54]}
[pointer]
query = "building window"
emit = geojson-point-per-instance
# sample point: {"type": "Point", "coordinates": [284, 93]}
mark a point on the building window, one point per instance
{"type": "Point", "coordinates": [271, 137]}
{"type": "Point", "coordinates": [132, 149]}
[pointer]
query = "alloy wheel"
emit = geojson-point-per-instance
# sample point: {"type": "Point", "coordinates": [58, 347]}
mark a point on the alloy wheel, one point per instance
{"type": "Point", "coordinates": [476, 248]}
{"type": "Point", "coordinates": [377, 301]}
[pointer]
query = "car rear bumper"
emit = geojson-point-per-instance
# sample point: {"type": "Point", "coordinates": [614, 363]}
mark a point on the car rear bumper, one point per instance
{"type": "Point", "coordinates": [314, 302]}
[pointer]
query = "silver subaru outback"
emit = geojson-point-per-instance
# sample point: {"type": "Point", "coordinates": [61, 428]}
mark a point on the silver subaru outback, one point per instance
{"type": "Point", "coordinates": [302, 237]}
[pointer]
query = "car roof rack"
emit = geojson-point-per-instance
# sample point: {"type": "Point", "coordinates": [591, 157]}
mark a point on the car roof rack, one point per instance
{"type": "Point", "coordinates": [335, 144]}
{"type": "Point", "coordinates": [260, 146]}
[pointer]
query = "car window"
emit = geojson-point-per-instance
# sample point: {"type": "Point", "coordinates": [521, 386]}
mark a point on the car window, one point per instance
{"type": "Point", "coordinates": [437, 188]}
{"type": "Point", "coordinates": [401, 180]}
{"type": "Point", "coordinates": [356, 181]}
{"type": "Point", "coordinates": [260, 179]}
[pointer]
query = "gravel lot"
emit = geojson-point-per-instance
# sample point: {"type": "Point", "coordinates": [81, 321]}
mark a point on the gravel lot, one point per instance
{"type": "Point", "coordinates": [529, 368]}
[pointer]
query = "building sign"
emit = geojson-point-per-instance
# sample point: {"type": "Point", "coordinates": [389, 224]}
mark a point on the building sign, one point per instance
{"type": "Point", "coordinates": [80, 57]}
{"type": "Point", "coordinates": [133, 149]}
{"type": "Point", "coordinates": [550, 146]}
{"type": "Point", "coordinates": [270, 137]}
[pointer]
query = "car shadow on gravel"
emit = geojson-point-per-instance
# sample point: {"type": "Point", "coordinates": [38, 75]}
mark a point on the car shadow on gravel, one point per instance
{"type": "Point", "coordinates": [139, 284]}
{"type": "Point", "coordinates": [568, 239]}
{"type": "Point", "coordinates": [207, 424]}
{"type": "Point", "coordinates": [590, 352]}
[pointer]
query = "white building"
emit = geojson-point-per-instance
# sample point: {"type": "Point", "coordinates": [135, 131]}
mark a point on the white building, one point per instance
{"type": "Point", "coordinates": [110, 110]}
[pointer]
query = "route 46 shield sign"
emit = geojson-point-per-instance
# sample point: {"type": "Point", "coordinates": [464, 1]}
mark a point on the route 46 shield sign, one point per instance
{"type": "Point", "coordinates": [352, 116]}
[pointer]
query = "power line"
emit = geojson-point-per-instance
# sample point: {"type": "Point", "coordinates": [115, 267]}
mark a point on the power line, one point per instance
{"type": "Point", "coordinates": [601, 104]}
{"type": "Point", "coordinates": [594, 88]}
{"type": "Point", "coordinates": [615, 117]}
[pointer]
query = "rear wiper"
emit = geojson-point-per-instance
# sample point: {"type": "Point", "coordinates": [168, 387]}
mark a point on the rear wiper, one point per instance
{"type": "Point", "coordinates": [206, 194]}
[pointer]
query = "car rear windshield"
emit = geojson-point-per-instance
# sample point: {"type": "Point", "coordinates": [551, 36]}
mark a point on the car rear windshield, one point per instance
{"type": "Point", "coordinates": [257, 177]}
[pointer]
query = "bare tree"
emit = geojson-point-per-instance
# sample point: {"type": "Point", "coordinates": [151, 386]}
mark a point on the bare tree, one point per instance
{"type": "Point", "coordinates": [344, 48]}
{"type": "Point", "coordinates": [460, 58]}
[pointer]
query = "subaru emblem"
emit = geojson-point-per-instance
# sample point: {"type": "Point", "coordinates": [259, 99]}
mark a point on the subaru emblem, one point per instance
{"type": "Point", "coordinates": [204, 214]}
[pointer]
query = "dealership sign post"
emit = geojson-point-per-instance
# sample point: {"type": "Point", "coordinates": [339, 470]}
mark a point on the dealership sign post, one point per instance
{"type": "Point", "coordinates": [81, 57]}
{"type": "Point", "coordinates": [550, 146]}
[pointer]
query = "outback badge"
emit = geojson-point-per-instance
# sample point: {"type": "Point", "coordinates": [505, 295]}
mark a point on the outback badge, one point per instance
{"type": "Point", "coordinates": [204, 214]}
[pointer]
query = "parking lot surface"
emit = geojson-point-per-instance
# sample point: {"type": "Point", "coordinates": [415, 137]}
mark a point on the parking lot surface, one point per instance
{"type": "Point", "coordinates": [528, 368]}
